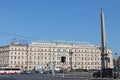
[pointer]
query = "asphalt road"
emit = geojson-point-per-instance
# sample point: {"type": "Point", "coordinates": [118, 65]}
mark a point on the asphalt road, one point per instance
{"type": "Point", "coordinates": [82, 76]}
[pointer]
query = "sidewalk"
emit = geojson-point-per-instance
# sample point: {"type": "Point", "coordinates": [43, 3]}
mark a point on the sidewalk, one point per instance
{"type": "Point", "coordinates": [83, 78]}
{"type": "Point", "coordinates": [80, 78]}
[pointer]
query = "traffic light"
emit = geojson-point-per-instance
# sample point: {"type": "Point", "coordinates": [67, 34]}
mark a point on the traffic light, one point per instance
{"type": "Point", "coordinates": [63, 59]}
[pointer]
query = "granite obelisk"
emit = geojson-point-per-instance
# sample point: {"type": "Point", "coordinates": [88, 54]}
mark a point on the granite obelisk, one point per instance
{"type": "Point", "coordinates": [104, 61]}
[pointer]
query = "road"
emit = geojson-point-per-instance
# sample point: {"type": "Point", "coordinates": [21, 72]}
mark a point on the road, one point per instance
{"type": "Point", "coordinates": [82, 76]}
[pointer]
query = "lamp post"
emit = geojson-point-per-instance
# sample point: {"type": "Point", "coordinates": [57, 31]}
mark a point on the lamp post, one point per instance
{"type": "Point", "coordinates": [70, 59]}
{"type": "Point", "coordinates": [115, 65]}
{"type": "Point", "coordinates": [27, 61]}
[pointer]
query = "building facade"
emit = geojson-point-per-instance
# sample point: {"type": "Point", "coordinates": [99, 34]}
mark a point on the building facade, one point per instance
{"type": "Point", "coordinates": [47, 54]}
{"type": "Point", "coordinates": [116, 62]}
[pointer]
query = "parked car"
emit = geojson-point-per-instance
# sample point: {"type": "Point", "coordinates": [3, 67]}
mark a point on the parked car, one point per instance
{"type": "Point", "coordinates": [107, 72]}
{"type": "Point", "coordinates": [25, 72]}
{"type": "Point", "coordinates": [46, 72]}
{"type": "Point", "coordinates": [50, 72]}
{"type": "Point", "coordinates": [29, 72]}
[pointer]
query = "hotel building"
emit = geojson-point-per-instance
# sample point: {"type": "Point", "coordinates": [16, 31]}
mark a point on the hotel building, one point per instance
{"type": "Point", "coordinates": [48, 54]}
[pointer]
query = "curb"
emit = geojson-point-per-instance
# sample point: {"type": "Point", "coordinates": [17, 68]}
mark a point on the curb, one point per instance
{"type": "Point", "coordinates": [81, 78]}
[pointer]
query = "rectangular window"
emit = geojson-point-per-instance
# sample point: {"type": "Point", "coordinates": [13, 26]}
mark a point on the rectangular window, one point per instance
{"type": "Point", "coordinates": [30, 58]}
{"type": "Point", "coordinates": [53, 58]}
{"type": "Point", "coordinates": [11, 62]}
{"type": "Point", "coordinates": [14, 57]}
{"type": "Point", "coordinates": [34, 57]}
{"type": "Point", "coordinates": [64, 50]}
{"type": "Point", "coordinates": [18, 57]}
{"type": "Point", "coordinates": [34, 62]}
{"type": "Point", "coordinates": [38, 57]}
{"type": "Point", "coordinates": [58, 50]}
{"type": "Point", "coordinates": [11, 57]}
{"type": "Point", "coordinates": [22, 57]}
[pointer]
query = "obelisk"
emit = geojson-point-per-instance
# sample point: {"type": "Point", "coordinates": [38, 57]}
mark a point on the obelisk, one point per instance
{"type": "Point", "coordinates": [104, 61]}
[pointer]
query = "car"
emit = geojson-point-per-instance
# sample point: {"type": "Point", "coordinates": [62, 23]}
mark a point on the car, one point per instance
{"type": "Point", "coordinates": [29, 72]}
{"type": "Point", "coordinates": [46, 72]}
{"type": "Point", "coordinates": [51, 72]}
{"type": "Point", "coordinates": [107, 72]}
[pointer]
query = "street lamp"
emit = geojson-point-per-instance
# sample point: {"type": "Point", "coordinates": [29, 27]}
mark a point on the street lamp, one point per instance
{"type": "Point", "coordinates": [70, 58]}
{"type": "Point", "coordinates": [27, 56]}
{"type": "Point", "coordinates": [115, 63]}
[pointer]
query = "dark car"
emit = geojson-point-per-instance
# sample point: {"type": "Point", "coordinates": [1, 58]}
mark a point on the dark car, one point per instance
{"type": "Point", "coordinates": [107, 72]}
{"type": "Point", "coordinates": [29, 72]}
{"type": "Point", "coordinates": [46, 72]}
{"type": "Point", "coordinates": [50, 72]}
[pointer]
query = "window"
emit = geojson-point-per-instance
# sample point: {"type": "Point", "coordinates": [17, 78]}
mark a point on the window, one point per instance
{"type": "Point", "coordinates": [75, 50]}
{"type": "Point", "coordinates": [11, 53]}
{"type": "Point", "coordinates": [30, 49]}
{"type": "Point", "coordinates": [30, 57]}
{"type": "Point", "coordinates": [11, 57]}
{"type": "Point", "coordinates": [11, 62]}
{"type": "Point", "coordinates": [91, 58]}
{"type": "Point", "coordinates": [38, 57]}
{"type": "Point", "coordinates": [82, 58]}
{"type": "Point", "coordinates": [45, 53]}
{"type": "Point", "coordinates": [41, 49]}
{"type": "Point", "coordinates": [18, 57]}
{"type": "Point", "coordinates": [64, 50]}
{"type": "Point", "coordinates": [19, 49]}
{"type": "Point", "coordinates": [58, 58]}
{"type": "Point", "coordinates": [45, 49]}
{"type": "Point", "coordinates": [52, 50]}
{"type": "Point", "coordinates": [58, 50]}
{"type": "Point", "coordinates": [14, 57]}
{"type": "Point", "coordinates": [75, 55]}
{"type": "Point", "coordinates": [22, 57]}
{"type": "Point", "coordinates": [53, 58]}
{"type": "Point", "coordinates": [34, 57]}
{"type": "Point", "coordinates": [49, 58]}
{"type": "Point", "coordinates": [49, 50]}
{"type": "Point", "coordinates": [95, 58]}
{"type": "Point", "coordinates": [22, 49]}
{"type": "Point", "coordinates": [82, 54]}
{"type": "Point", "coordinates": [45, 58]}
{"type": "Point", "coordinates": [14, 62]}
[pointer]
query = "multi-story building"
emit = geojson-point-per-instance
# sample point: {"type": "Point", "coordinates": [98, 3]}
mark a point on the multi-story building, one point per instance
{"type": "Point", "coordinates": [116, 62]}
{"type": "Point", "coordinates": [48, 54]}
